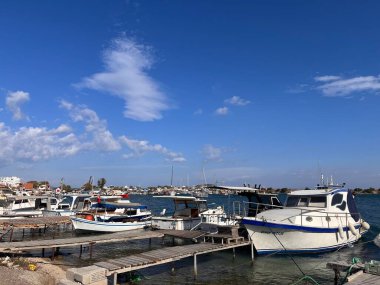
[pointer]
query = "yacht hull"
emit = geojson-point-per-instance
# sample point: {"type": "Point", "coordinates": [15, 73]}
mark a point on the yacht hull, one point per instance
{"type": "Point", "coordinates": [282, 238]}
{"type": "Point", "coordinates": [97, 226]}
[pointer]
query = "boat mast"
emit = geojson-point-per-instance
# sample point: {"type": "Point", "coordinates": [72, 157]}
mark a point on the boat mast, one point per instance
{"type": "Point", "coordinates": [171, 180]}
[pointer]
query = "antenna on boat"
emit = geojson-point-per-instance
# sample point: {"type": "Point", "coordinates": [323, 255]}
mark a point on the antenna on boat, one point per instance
{"type": "Point", "coordinates": [322, 181]}
{"type": "Point", "coordinates": [204, 176]}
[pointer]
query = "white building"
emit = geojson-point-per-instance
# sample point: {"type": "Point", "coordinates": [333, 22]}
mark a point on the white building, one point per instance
{"type": "Point", "coordinates": [12, 181]}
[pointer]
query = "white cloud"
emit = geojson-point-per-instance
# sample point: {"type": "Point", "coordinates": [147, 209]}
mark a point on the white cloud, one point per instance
{"type": "Point", "coordinates": [13, 102]}
{"type": "Point", "coordinates": [221, 111]}
{"type": "Point", "coordinates": [212, 153]}
{"type": "Point", "coordinates": [326, 78]}
{"type": "Point", "coordinates": [140, 147]}
{"type": "Point", "coordinates": [102, 138]}
{"type": "Point", "coordinates": [343, 87]}
{"type": "Point", "coordinates": [35, 144]}
{"type": "Point", "coordinates": [237, 101]}
{"type": "Point", "coordinates": [125, 76]}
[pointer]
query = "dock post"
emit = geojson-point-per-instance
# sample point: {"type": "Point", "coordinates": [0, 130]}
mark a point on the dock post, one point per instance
{"type": "Point", "coordinates": [80, 251]}
{"type": "Point", "coordinates": [195, 267]}
{"type": "Point", "coordinates": [11, 236]}
{"type": "Point", "coordinates": [252, 252]}
{"type": "Point", "coordinates": [52, 253]}
{"type": "Point", "coordinates": [233, 252]}
{"type": "Point", "coordinates": [336, 277]}
{"type": "Point", "coordinates": [91, 243]}
{"type": "Point", "coordinates": [115, 278]}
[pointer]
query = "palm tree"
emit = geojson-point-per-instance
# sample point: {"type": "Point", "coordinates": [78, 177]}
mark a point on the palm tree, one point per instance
{"type": "Point", "coordinates": [101, 183]}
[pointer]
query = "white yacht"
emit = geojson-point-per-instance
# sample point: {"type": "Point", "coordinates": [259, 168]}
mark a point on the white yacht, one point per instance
{"type": "Point", "coordinates": [186, 215]}
{"type": "Point", "coordinates": [69, 205]}
{"type": "Point", "coordinates": [322, 219]}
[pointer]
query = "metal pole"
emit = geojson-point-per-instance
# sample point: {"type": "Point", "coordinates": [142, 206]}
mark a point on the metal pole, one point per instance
{"type": "Point", "coordinates": [252, 252]}
{"type": "Point", "coordinates": [115, 278]}
{"type": "Point", "coordinates": [195, 267]}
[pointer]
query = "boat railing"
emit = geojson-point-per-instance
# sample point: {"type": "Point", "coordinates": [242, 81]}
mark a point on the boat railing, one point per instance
{"type": "Point", "coordinates": [251, 209]}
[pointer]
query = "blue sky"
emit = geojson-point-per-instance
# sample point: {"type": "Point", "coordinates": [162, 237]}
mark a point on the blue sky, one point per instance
{"type": "Point", "coordinates": [266, 92]}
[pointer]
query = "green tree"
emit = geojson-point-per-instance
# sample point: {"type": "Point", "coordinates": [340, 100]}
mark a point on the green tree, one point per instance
{"type": "Point", "coordinates": [101, 183]}
{"type": "Point", "coordinates": [87, 186]}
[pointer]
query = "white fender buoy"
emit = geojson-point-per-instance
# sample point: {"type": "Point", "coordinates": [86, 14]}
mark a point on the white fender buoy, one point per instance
{"type": "Point", "coordinates": [352, 229]}
{"type": "Point", "coordinates": [340, 231]}
{"type": "Point", "coordinates": [365, 225]}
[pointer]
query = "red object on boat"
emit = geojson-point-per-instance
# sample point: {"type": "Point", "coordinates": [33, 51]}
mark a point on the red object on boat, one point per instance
{"type": "Point", "coordinates": [124, 196]}
{"type": "Point", "coordinates": [89, 217]}
{"type": "Point", "coordinates": [99, 199]}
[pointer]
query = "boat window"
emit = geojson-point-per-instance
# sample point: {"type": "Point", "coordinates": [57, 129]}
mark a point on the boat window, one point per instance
{"type": "Point", "coordinates": [292, 201]}
{"type": "Point", "coordinates": [317, 201]}
{"type": "Point", "coordinates": [343, 206]}
{"type": "Point", "coordinates": [67, 200]}
{"type": "Point", "coordinates": [352, 206]}
{"type": "Point", "coordinates": [202, 207]}
{"type": "Point", "coordinates": [337, 199]}
{"type": "Point", "coordinates": [303, 202]}
{"type": "Point", "coordinates": [275, 201]}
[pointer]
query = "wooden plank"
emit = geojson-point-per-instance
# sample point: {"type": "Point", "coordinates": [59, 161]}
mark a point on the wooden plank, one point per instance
{"type": "Point", "coordinates": [107, 265]}
{"type": "Point", "coordinates": [366, 279]}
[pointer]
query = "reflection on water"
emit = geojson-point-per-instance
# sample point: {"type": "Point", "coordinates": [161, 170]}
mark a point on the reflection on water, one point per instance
{"type": "Point", "coordinates": [221, 267]}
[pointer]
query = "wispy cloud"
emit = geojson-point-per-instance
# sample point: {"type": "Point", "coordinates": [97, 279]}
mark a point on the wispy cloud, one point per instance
{"type": "Point", "coordinates": [327, 78]}
{"type": "Point", "coordinates": [237, 101]}
{"type": "Point", "coordinates": [102, 138]}
{"type": "Point", "coordinates": [125, 76]}
{"type": "Point", "coordinates": [140, 147]}
{"type": "Point", "coordinates": [13, 102]}
{"type": "Point", "coordinates": [221, 111]}
{"type": "Point", "coordinates": [212, 153]}
{"type": "Point", "coordinates": [335, 86]}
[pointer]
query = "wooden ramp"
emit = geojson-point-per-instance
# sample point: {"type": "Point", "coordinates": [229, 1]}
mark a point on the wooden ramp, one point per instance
{"type": "Point", "coordinates": [162, 256]}
{"type": "Point", "coordinates": [183, 234]}
{"type": "Point", "coordinates": [77, 241]}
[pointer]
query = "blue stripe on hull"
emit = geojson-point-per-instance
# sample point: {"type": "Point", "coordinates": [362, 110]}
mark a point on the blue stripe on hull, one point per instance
{"type": "Point", "coordinates": [293, 227]}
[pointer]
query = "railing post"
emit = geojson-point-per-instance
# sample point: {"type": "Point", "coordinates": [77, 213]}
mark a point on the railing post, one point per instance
{"type": "Point", "coordinates": [195, 267]}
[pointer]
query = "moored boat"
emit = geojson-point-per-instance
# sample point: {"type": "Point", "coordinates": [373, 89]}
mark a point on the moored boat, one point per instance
{"type": "Point", "coordinates": [322, 219]}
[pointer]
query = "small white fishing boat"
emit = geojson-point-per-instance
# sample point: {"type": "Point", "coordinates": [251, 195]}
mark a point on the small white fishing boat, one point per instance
{"type": "Point", "coordinates": [322, 219]}
{"type": "Point", "coordinates": [123, 219]}
{"type": "Point", "coordinates": [190, 213]}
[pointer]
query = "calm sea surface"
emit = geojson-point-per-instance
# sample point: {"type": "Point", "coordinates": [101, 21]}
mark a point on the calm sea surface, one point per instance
{"type": "Point", "coordinates": [222, 268]}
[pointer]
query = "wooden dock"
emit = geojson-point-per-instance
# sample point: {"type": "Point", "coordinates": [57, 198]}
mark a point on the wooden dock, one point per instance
{"type": "Point", "coordinates": [358, 278]}
{"type": "Point", "coordinates": [165, 255]}
{"type": "Point", "coordinates": [90, 240]}
{"type": "Point", "coordinates": [36, 222]}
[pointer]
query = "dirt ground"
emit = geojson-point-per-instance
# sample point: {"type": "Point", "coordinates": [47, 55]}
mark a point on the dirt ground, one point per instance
{"type": "Point", "coordinates": [45, 274]}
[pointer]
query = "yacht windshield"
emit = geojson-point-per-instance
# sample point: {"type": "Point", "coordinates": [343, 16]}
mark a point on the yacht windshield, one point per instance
{"type": "Point", "coordinates": [302, 201]}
